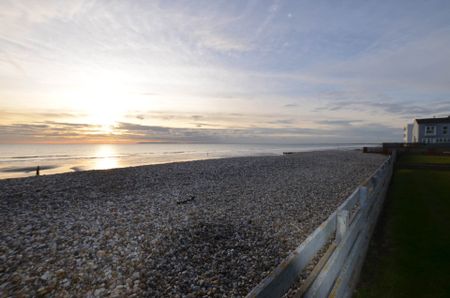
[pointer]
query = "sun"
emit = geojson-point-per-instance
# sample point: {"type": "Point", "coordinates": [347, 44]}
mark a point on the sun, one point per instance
{"type": "Point", "coordinates": [103, 102]}
{"type": "Point", "coordinates": [103, 99]}
{"type": "Point", "coordinates": [105, 113]}
{"type": "Point", "coordinates": [106, 106]}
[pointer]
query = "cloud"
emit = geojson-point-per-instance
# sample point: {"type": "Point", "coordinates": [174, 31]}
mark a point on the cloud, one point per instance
{"type": "Point", "coordinates": [48, 131]}
{"type": "Point", "coordinates": [341, 122]}
{"type": "Point", "coordinates": [137, 127]}
{"type": "Point", "coordinates": [216, 119]}
{"type": "Point", "coordinates": [131, 132]}
{"type": "Point", "coordinates": [282, 121]}
{"type": "Point", "coordinates": [149, 94]}
{"type": "Point", "coordinates": [403, 109]}
{"type": "Point", "coordinates": [222, 43]}
{"type": "Point", "coordinates": [417, 65]}
{"type": "Point", "coordinates": [248, 70]}
{"type": "Point", "coordinates": [16, 115]}
{"type": "Point", "coordinates": [69, 125]}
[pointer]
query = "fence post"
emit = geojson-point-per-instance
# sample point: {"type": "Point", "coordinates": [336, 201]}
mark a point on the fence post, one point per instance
{"type": "Point", "coordinates": [363, 198]}
{"type": "Point", "coordinates": [342, 224]}
{"type": "Point", "coordinates": [362, 195]}
{"type": "Point", "coordinates": [374, 180]}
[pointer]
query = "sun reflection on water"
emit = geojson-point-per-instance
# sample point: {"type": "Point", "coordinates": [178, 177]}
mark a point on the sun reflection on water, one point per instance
{"type": "Point", "coordinates": [106, 158]}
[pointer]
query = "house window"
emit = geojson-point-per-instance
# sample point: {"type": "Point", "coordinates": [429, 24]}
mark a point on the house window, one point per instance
{"type": "Point", "coordinates": [430, 130]}
{"type": "Point", "coordinates": [444, 130]}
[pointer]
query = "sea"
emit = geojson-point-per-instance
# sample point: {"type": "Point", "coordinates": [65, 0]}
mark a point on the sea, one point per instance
{"type": "Point", "coordinates": [22, 160]}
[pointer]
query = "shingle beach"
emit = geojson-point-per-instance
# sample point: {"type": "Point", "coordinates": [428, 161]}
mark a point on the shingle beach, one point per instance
{"type": "Point", "coordinates": [191, 229]}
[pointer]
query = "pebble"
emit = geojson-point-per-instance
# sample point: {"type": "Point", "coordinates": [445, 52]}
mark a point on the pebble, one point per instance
{"type": "Point", "coordinates": [121, 232]}
{"type": "Point", "coordinates": [43, 290]}
{"type": "Point", "coordinates": [46, 276]}
{"type": "Point", "coordinates": [101, 253]}
{"type": "Point", "coordinates": [99, 292]}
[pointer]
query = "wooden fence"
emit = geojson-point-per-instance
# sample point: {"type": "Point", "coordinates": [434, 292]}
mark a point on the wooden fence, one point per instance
{"type": "Point", "coordinates": [341, 242]}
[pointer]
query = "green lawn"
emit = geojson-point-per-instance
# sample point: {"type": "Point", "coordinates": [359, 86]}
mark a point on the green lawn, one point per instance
{"type": "Point", "coordinates": [409, 255]}
{"type": "Point", "coordinates": [422, 158]}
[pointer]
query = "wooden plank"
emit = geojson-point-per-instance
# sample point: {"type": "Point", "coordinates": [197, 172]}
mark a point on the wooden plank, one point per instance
{"type": "Point", "coordinates": [346, 281]}
{"type": "Point", "coordinates": [351, 201]}
{"type": "Point", "coordinates": [307, 283]}
{"type": "Point", "coordinates": [326, 279]}
{"type": "Point", "coordinates": [342, 224]}
{"type": "Point", "coordinates": [341, 284]}
{"type": "Point", "coordinates": [281, 279]}
{"type": "Point", "coordinates": [323, 283]}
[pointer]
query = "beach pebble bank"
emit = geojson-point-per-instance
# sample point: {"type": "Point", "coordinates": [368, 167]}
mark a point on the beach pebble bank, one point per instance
{"type": "Point", "coordinates": [192, 229]}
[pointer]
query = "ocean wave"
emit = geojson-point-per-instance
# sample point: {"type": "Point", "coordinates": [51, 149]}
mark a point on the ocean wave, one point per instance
{"type": "Point", "coordinates": [26, 169]}
{"type": "Point", "coordinates": [57, 157]}
{"type": "Point", "coordinates": [38, 156]}
{"type": "Point", "coordinates": [78, 169]}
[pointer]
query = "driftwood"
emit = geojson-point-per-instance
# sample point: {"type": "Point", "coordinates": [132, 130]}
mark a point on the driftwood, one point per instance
{"type": "Point", "coordinates": [186, 201]}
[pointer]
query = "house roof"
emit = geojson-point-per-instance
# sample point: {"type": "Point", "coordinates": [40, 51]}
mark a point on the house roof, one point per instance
{"type": "Point", "coordinates": [434, 120]}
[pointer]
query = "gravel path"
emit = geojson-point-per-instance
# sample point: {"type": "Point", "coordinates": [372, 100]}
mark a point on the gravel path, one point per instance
{"type": "Point", "coordinates": [202, 228]}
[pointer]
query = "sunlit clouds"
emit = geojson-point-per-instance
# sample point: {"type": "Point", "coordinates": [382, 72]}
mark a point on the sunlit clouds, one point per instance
{"type": "Point", "coordinates": [220, 71]}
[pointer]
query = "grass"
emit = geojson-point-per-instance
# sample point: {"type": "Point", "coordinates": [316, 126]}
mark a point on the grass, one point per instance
{"type": "Point", "coordinates": [422, 158]}
{"type": "Point", "coordinates": [409, 255]}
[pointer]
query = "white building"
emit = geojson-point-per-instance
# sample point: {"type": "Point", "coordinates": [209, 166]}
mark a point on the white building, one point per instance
{"type": "Point", "coordinates": [431, 130]}
{"type": "Point", "coordinates": [408, 133]}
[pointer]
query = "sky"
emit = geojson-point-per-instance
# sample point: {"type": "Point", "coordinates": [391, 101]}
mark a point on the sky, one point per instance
{"type": "Point", "coordinates": [220, 71]}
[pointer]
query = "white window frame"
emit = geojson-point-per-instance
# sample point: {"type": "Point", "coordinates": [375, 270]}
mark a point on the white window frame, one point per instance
{"type": "Point", "coordinates": [432, 128]}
